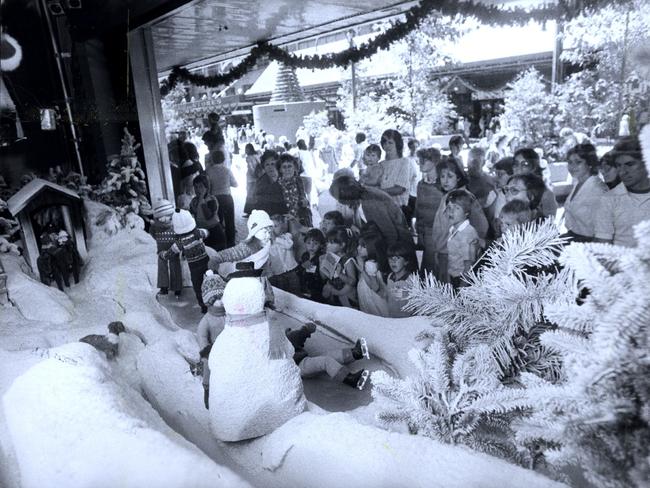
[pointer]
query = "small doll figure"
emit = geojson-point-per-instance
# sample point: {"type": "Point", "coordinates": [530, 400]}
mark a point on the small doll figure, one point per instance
{"type": "Point", "coordinates": [68, 257]}
{"type": "Point", "coordinates": [169, 270]}
{"type": "Point", "coordinates": [189, 242]}
{"type": "Point", "coordinates": [48, 267]}
{"type": "Point", "coordinates": [333, 363]}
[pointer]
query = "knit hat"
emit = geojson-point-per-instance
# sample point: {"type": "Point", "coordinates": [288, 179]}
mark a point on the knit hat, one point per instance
{"type": "Point", "coordinates": [212, 287]}
{"type": "Point", "coordinates": [183, 221]}
{"type": "Point", "coordinates": [257, 221]}
{"type": "Point", "coordinates": [163, 208]}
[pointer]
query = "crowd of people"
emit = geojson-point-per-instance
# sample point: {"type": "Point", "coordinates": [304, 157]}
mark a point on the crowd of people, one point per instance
{"type": "Point", "coordinates": [399, 210]}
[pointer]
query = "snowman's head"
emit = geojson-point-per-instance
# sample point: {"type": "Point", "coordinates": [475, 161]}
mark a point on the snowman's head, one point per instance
{"type": "Point", "coordinates": [243, 296]}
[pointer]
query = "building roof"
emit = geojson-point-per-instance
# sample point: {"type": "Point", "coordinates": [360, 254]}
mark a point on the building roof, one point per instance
{"type": "Point", "coordinates": [32, 189]}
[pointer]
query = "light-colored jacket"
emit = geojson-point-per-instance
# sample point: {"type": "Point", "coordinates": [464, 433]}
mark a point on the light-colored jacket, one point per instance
{"type": "Point", "coordinates": [581, 206]}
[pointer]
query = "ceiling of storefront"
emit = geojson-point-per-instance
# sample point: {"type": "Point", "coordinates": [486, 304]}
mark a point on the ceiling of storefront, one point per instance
{"type": "Point", "coordinates": [191, 35]}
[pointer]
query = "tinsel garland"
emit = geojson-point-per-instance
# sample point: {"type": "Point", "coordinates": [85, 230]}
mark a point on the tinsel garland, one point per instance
{"type": "Point", "coordinates": [489, 14]}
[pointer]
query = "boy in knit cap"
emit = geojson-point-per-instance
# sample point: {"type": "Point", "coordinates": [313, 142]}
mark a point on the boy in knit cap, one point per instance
{"type": "Point", "coordinates": [211, 324]}
{"type": "Point", "coordinates": [169, 270]}
{"type": "Point", "coordinates": [189, 241]}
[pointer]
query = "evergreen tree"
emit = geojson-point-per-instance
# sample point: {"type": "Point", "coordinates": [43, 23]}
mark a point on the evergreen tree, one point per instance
{"type": "Point", "coordinates": [599, 417]}
{"type": "Point", "coordinates": [125, 188]}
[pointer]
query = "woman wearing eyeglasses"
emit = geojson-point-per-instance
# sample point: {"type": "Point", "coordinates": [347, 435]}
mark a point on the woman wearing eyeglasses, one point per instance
{"type": "Point", "coordinates": [528, 188]}
{"type": "Point", "coordinates": [582, 203]}
{"type": "Point", "coordinates": [527, 162]}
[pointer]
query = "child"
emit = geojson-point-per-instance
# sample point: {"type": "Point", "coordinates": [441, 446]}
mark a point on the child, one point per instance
{"type": "Point", "coordinates": [189, 242]}
{"type": "Point", "coordinates": [211, 325]}
{"type": "Point", "coordinates": [205, 210]}
{"type": "Point", "coordinates": [427, 202]}
{"type": "Point", "coordinates": [338, 269]}
{"type": "Point", "coordinates": [284, 268]}
{"type": "Point", "coordinates": [221, 179]}
{"type": "Point", "coordinates": [372, 263]}
{"type": "Point", "coordinates": [463, 241]}
{"type": "Point", "coordinates": [371, 176]}
{"type": "Point", "coordinates": [331, 219]}
{"type": "Point", "coordinates": [332, 363]}
{"type": "Point", "coordinates": [515, 213]}
{"type": "Point", "coordinates": [452, 178]}
{"type": "Point", "coordinates": [402, 263]}
{"type": "Point", "coordinates": [311, 281]}
{"type": "Point", "coordinates": [253, 171]}
{"type": "Point", "coordinates": [169, 270]}
{"type": "Point", "coordinates": [502, 172]}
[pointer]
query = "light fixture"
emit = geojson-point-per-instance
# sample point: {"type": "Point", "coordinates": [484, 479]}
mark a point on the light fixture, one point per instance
{"type": "Point", "coordinates": [55, 7]}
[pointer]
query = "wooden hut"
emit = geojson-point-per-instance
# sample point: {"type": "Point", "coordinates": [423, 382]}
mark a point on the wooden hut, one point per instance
{"type": "Point", "coordinates": [40, 205]}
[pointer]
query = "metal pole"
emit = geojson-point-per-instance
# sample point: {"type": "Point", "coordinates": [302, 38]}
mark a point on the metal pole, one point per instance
{"type": "Point", "coordinates": [350, 35]}
{"type": "Point", "coordinates": [64, 88]}
{"type": "Point", "coordinates": [557, 73]}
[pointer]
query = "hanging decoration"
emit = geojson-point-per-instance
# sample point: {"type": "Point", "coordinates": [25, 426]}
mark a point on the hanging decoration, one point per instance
{"type": "Point", "coordinates": [488, 14]}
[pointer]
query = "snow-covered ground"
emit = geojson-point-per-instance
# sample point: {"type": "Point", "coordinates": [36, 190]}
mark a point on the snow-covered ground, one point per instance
{"type": "Point", "coordinates": [72, 418]}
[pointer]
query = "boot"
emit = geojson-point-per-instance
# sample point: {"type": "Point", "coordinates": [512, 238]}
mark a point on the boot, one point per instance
{"type": "Point", "coordinates": [360, 349]}
{"type": "Point", "coordinates": [358, 379]}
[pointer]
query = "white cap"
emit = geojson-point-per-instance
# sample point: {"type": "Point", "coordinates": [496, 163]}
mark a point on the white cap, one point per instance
{"type": "Point", "coordinates": [257, 221]}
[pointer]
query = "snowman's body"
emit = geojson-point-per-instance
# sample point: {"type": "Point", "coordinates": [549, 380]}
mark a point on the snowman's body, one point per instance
{"type": "Point", "coordinates": [255, 385]}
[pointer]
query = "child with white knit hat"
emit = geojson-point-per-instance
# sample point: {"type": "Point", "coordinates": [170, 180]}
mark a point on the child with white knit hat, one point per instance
{"type": "Point", "coordinates": [169, 270]}
{"type": "Point", "coordinates": [189, 242]}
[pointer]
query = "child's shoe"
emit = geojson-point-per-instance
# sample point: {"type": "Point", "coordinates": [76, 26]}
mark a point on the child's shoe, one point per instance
{"type": "Point", "coordinates": [163, 291]}
{"type": "Point", "coordinates": [360, 349]}
{"type": "Point", "coordinates": [358, 379]}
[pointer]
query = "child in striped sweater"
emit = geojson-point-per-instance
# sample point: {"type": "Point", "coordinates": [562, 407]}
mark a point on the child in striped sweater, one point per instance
{"type": "Point", "coordinates": [189, 243]}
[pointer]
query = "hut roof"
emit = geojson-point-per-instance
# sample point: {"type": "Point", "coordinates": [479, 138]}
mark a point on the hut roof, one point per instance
{"type": "Point", "coordinates": [20, 200]}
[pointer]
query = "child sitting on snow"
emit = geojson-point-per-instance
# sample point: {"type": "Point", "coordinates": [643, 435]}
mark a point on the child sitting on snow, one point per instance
{"type": "Point", "coordinates": [189, 242]}
{"type": "Point", "coordinates": [333, 363]}
{"type": "Point", "coordinates": [169, 270]}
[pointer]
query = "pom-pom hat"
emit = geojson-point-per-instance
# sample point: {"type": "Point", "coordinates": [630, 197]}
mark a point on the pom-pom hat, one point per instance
{"type": "Point", "coordinates": [212, 287]}
{"type": "Point", "coordinates": [163, 208]}
{"type": "Point", "coordinates": [257, 221]}
{"type": "Point", "coordinates": [183, 221]}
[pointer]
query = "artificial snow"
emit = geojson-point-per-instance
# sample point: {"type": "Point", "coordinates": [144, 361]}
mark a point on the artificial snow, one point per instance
{"type": "Point", "coordinates": [73, 425]}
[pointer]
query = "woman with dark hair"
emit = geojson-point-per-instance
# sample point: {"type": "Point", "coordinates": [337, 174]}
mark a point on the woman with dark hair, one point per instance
{"type": "Point", "coordinates": [527, 161]}
{"type": "Point", "coordinates": [528, 188]}
{"type": "Point", "coordinates": [292, 188]}
{"type": "Point", "coordinates": [608, 171]}
{"type": "Point", "coordinates": [582, 203]}
{"type": "Point", "coordinates": [268, 192]}
{"type": "Point", "coordinates": [204, 207]}
{"type": "Point", "coordinates": [371, 205]}
{"type": "Point", "coordinates": [396, 177]}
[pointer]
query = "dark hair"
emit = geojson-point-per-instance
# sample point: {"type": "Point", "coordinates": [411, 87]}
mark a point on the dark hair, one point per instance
{"type": "Point", "coordinates": [346, 189]}
{"type": "Point", "coordinates": [429, 154]}
{"type": "Point", "coordinates": [268, 154]}
{"type": "Point", "coordinates": [531, 157]}
{"type": "Point", "coordinates": [249, 149]}
{"type": "Point", "coordinates": [462, 198]}
{"type": "Point", "coordinates": [374, 148]}
{"type": "Point", "coordinates": [335, 216]}
{"type": "Point", "coordinates": [287, 145]}
{"type": "Point", "coordinates": [344, 236]}
{"type": "Point", "coordinates": [316, 235]}
{"type": "Point", "coordinates": [456, 141]}
{"type": "Point", "coordinates": [504, 164]}
{"type": "Point", "coordinates": [608, 159]}
{"type": "Point", "coordinates": [534, 185]}
{"type": "Point", "coordinates": [279, 218]}
{"type": "Point", "coordinates": [360, 137]}
{"type": "Point", "coordinates": [213, 115]}
{"type": "Point", "coordinates": [201, 180]}
{"type": "Point", "coordinates": [286, 157]}
{"type": "Point", "coordinates": [586, 152]}
{"type": "Point", "coordinates": [450, 165]}
{"type": "Point", "coordinates": [628, 146]}
{"type": "Point", "coordinates": [217, 156]}
{"type": "Point", "coordinates": [375, 244]}
{"type": "Point", "coordinates": [395, 136]}
{"type": "Point", "coordinates": [412, 143]}
{"type": "Point", "coordinates": [301, 145]}
{"type": "Point", "coordinates": [407, 251]}
{"type": "Point", "coordinates": [515, 207]}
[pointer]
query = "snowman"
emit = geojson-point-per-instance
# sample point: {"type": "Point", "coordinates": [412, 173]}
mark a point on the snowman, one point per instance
{"type": "Point", "coordinates": [255, 385]}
